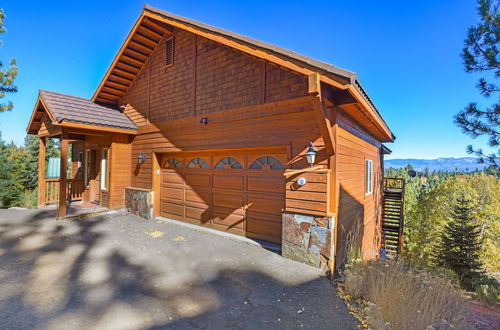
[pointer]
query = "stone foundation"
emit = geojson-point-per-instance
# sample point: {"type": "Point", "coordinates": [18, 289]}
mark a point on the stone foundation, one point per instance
{"type": "Point", "coordinates": [139, 202]}
{"type": "Point", "coordinates": [308, 239]}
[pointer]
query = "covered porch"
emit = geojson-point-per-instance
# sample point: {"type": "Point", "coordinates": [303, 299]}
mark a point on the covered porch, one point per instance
{"type": "Point", "coordinates": [95, 159]}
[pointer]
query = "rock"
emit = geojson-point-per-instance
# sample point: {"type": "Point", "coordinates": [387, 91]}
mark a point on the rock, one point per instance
{"type": "Point", "coordinates": [297, 253]}
{"type": "Point", "coordinates": [320, 241]}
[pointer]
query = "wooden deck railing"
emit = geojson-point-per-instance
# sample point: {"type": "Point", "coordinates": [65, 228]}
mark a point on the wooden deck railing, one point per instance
{"type": "Point", "coordinates": [75, 190]}
{"type": "Point", "coordinates": [394, 183]}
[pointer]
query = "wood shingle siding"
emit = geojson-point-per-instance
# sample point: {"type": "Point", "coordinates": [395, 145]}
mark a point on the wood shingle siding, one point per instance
{"type": "Point", "coordinates": [206, 78]}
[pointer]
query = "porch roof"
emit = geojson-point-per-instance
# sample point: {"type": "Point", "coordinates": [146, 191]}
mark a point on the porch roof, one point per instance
{"type": "Point", "coordinates": [72, 109]}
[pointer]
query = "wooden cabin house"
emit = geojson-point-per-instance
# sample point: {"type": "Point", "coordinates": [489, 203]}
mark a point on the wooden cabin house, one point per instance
{"type": "Point", "coordinates": [202, 125]}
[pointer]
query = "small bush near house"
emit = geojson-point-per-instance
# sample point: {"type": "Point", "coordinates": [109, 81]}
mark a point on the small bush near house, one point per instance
{"type": "Point", "coordinates": [397, 296]}
{"type": "Point", "coordinates": [29, 199]}
{"type": "Point", "coordinates": [487, 289]}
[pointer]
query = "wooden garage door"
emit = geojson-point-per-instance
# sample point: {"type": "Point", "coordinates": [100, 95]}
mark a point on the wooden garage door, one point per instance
{"type": "Point", "coordinates": [242, 193]}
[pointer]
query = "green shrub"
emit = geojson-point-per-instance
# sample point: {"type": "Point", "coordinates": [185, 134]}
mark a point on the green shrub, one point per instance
{"type": "Point", "coordinates": [487, 289]}
{"type": "Point", "coordinates": [28, 199]}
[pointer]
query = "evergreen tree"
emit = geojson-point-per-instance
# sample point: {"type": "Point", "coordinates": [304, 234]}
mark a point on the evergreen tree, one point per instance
{"type": "Point", "coordinates": [9, 192]}
{"type": "Point", "coordinates": [480, 54]}
{"type": "Point", "coordinates": [26, 160]}
{"type": "Point", "coordinates": [7, 75]}
{"type": "Point", "coordinates": [460, 247]}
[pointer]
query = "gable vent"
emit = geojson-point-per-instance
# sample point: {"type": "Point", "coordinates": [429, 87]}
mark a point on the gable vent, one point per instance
{"type": "Point", "coordinates": [169, 57]}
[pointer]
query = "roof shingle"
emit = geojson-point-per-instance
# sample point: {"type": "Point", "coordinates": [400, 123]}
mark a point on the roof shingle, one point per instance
{"type": "Point", "coordinates": [79, 110]}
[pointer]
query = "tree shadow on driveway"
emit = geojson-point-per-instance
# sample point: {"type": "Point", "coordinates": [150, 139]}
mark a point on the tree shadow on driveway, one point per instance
{"type": "Point", "coordinates": [108, 272]}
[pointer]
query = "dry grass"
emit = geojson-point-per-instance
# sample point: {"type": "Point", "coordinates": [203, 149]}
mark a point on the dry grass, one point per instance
{"type": "Point", "coordinates": [399, 297]}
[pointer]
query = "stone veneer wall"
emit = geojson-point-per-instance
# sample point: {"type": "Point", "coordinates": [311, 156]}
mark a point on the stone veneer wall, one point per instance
{"type": "Point", "coordinates": [308, 239]}
{"type": "Point", "coordinates": [139, 202]}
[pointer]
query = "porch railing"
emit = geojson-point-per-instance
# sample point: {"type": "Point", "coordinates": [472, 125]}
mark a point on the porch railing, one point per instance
{"type": "Point", "coordinates": [394, 183]}
{"type": "Point", "coordinates": [74, 186]}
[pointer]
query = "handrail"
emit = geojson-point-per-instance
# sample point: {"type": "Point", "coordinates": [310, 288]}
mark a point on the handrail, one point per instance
{"type": "Point", "coordinates": [398, 185]}
{"type": "Point", "coordinates": [394, 183]}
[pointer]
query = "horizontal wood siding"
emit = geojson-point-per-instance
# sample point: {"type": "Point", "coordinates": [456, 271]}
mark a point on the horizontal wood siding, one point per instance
{"type": "Point", "coordinates": [311, 198]}
{"type": "Point", "coordinates": [358, 213]}
{"type": "Point", "coordinates": [290, 124]}
{"type": "Point", "coordinates": [119, 170]}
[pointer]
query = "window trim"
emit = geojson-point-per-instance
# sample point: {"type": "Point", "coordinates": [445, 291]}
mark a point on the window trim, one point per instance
{"type": "Point", "coordinates": [79, 168]}
{"type": "Point", "coordinates": [87, 168]}
{"type": "Point", "coordinates": [105, 169]}
{"type": "Point", "coordinates": [368, 177]}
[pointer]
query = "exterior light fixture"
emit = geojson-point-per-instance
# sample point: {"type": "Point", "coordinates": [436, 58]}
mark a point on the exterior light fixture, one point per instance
{"type": "Point", "coordinates": [141, 158]}
{"type": "Point", "coordinates": [311, 154]}
{"type": "Point", "coordinates": [301, 181]}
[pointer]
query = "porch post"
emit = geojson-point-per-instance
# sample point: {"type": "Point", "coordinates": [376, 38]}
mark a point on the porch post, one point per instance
{"type": "Point", "coordinates": [63, 176]}
{"type": "Point", "coordinates": [41, 173]}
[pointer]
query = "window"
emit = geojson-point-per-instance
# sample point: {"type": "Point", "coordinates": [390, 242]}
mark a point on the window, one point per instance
{"type": "Point", "coordinates": [229, 162]}
{"type": "Point", "coordinates": [80, 159]}
{"type": "Point", "coordinates": [173, 163]}
{"type": "Point", "coordinates": [104, 169]}
{"type": "Point", "coordinates": [87, 167]}
{"type": "Point", "coordinates": [198, 163]}
{"type": "Point", "coordinates": [169, 50]}
{"type": "Point", "coordinates": [267, 162]}
{"type": "Point", "coordinates": [368, 176]}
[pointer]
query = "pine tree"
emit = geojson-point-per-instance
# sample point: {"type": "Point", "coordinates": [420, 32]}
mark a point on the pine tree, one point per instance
{"type": "Point", "coordinates": [480, 54]}
{"type": "Point", "coordinates": [9, 192]}
{"type": "Point", "coordinates": [7, 75]}
{"type": "Point", "coordinates": [460, 245]}
{"type": "Point", "coordinates": [27, 161]}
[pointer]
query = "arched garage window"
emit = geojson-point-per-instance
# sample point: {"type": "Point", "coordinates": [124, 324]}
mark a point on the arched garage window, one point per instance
{"type": "Point", "coordinates": [270, 161]}
{"type": "Point", "coordinates": [173, 163]}
{"type": "Point", "coordinates": [198, 163]}
{"type": "Point", "coordinates": [229, 162]}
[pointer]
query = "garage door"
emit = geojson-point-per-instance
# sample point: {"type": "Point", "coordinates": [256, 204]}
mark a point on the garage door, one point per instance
{"type": "Point", "coordinates": [242, 193]}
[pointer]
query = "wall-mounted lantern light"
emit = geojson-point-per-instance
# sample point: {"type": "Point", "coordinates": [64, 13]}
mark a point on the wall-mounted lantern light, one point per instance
{"type": "Point", "coordinates": [311, 154]}
{"type": "Point", "coordinates": [141, 158]}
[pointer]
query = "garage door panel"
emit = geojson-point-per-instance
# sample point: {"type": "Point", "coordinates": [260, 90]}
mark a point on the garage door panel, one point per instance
{"type": "Point", "coordinates": [268, 231]}
{"type": "Point", "coordinates": [265, 183]}
{"type": "Point", "coordinates": [172, 193]}
{"type": "Point", "coordinates": [198, 196]}
{"type": "Point", "coordinates": [233, 218]}
{"type": "Point", "coordinates": [172, 208]}
{"type": "Point", "coordinates": [228, 181]}
{"type": "Point", "coordinates": [227, 200]}
{"type": "Point", "coordinates": [276, 218]}
{"type": "Point", "coordinates": [201, 213]}
{"type": "Point", "coordinates": [265, 204]}
{"type": "Point", "coordinates": [170, 176]}
{"type": "Point", "coordinates": [198, 180]}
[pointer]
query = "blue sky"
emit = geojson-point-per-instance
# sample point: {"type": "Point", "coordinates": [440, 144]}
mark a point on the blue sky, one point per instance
{"type": "Point", "coordinates": [406, 54]}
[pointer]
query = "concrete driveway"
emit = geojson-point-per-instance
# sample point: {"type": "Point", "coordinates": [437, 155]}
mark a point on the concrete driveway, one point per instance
{"type": "Point", "coordinates": [119, 271]}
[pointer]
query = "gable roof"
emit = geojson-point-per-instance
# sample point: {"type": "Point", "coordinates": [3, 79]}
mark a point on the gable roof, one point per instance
{"type": "Point", "coordinates": [154, 24]}
{"type": "Point", "coordinates": [72, 109]}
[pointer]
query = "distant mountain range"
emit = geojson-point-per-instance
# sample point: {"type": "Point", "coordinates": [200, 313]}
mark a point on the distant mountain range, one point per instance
{"type": "Point", "coordinates": [444, 164]}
